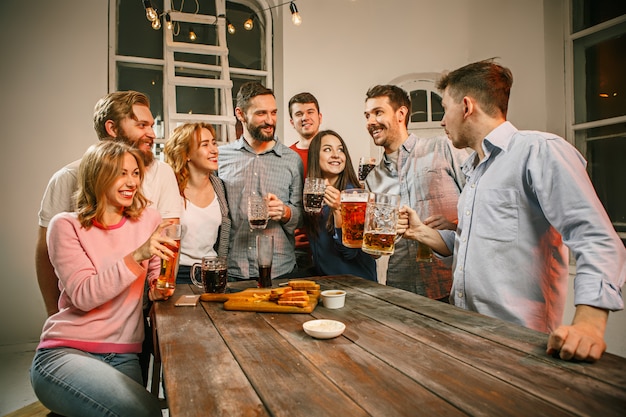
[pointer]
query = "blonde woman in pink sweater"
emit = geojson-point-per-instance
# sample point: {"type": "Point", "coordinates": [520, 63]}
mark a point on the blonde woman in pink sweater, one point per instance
{"type": "Point", "coordinates": [86, 363]}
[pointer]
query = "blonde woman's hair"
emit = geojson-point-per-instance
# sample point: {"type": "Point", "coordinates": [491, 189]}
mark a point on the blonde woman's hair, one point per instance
{"type": "Point", "coordinates": [177, 148]}
{"type": "Point", "coordinates": [99, 168]}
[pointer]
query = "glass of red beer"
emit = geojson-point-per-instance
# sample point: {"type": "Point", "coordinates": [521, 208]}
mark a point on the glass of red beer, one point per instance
{"type": "Point", "coordinates": [353, 207]}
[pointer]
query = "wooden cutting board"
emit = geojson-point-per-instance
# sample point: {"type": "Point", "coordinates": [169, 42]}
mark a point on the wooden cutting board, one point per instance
{"type": "Point", "coordinates": [251, 299]}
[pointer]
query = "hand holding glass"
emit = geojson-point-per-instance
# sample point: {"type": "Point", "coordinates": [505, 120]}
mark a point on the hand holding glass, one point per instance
{"type": "Point", "coordinates": [167, 278]}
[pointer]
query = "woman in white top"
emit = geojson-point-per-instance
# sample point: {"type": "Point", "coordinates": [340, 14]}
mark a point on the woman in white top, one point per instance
{"type": "Point", "coordinates": [192, 152]}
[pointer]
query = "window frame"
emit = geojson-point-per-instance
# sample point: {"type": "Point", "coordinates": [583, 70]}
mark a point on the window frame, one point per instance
{"type": "Point", "coordinates": [577, 132]}
{"type": "Point", "coordinates": [165, 126]}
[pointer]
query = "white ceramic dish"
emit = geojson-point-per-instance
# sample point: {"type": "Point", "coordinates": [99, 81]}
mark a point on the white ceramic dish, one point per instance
{"type": "Point", "coordinates": [333, 298]}
{"type": "Point", "coordinates": [323, 329]}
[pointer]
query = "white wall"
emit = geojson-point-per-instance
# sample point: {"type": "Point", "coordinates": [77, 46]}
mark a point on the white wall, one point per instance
{"type": "Point", "coordinates": [55, 68]}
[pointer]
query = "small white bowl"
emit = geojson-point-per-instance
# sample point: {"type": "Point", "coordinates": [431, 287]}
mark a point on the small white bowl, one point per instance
{"type": "Point", "coordinates": [333, 298]}
{"type": "Point", "coordinates": [323, 329]}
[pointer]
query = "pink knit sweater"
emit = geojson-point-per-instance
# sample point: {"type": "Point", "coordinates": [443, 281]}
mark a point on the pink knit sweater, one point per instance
{"type": "Point", "coordinates": [100, 308]}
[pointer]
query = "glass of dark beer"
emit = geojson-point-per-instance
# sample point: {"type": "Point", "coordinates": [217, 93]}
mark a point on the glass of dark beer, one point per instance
{"type": "Point", "coordinates": [213, 273]}
{"type": "Point", "coordinates": [264, 254]}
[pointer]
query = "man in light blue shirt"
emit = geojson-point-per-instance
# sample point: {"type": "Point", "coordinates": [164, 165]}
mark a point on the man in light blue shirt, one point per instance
{"type": "Point", "coordinates": [527, 195]}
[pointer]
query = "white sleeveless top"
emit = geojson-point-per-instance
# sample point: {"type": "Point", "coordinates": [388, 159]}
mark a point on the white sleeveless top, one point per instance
{"type": "Point", "coordinates": [200, 231]}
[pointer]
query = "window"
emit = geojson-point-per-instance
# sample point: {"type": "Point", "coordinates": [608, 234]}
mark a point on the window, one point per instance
{"type": "Point", "coordinates": [190, 79]}
{"type": "Point", "coordinates": [598, 122]}
{"type": "Point", "coordinates": [426, 108]}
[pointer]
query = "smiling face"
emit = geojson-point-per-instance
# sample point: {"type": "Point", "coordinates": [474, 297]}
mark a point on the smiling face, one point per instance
{"type": "Point", "coordinates": [332, 157]}
{"type": "Point", "coordinates": [305, 119]}
{"type": "Point", "coordinates": [121, 193]}
{"type": "Point", "coordinates": [259, 120]}
{"type": "Point", "coordinates": [384, 124]}
{"type": "Point", "coordinates": [139, 133]}
{"type": "Point", "coordinates": [204, 151]}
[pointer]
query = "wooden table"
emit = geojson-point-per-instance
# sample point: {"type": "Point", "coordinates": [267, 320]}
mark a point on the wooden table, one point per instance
{"type": "Point", "coordinates": [400, 355]}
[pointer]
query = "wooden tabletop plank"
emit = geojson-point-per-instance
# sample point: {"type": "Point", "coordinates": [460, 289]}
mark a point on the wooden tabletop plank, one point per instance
{"type": "Point", "coordinates": [610, 369]}
{"type": "Point", "coordinates": [285, 381]}
{"type": "Point", "coordinates": [202, 376]}
{"type": "Point", "coordinates": [379, 388]}
{"type": "Point", "coordinates": [535, 373]}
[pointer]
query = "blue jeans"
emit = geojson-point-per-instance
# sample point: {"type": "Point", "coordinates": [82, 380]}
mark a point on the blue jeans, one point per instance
{"type": "Point", "coordinates": [72, 382]}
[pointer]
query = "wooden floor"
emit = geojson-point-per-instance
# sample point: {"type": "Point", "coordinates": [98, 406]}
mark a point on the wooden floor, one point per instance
{"type": "Point", "coordinates": [35, 409]}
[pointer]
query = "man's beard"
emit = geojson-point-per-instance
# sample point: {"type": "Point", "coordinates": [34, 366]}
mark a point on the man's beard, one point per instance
{"type": "Point", "coordinates": [256, 133]}
{"type": "Point", "coordinates": [148, 157]}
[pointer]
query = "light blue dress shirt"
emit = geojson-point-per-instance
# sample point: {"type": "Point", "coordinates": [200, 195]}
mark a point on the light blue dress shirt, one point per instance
{"type": "Point", "coordinates": [528, 198]}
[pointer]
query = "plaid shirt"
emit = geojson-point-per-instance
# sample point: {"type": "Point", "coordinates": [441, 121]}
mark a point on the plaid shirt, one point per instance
{"type": "Point", "coordinates": [277, 171]}
{"type": "Point", "coordinates": [429, 179]}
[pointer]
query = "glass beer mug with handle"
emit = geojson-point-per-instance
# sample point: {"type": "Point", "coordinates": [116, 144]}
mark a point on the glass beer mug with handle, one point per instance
{"type": "Point", "coordinates": [353, 206]}
{"type": "Point", "coordinates": [213, 274]}
{"type": "Point", "coordinates": [381, 218]}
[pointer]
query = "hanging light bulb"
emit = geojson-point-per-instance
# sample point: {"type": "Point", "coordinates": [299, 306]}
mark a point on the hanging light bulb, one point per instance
{"type": "Point", "coordinates": [168, 21]}
{"type": "Point", "coordinates": [231, 27]}
{"type": "Point", "coordinates": [249, 24]}
{"type": "Point", "coordinates": [156, 24]}
{"type": "Point", "coordinates": [295, 16]}
{"type": "Point", "coordinates": [192, 34]}
{"type": "Point", "coordinates": [151, 14]}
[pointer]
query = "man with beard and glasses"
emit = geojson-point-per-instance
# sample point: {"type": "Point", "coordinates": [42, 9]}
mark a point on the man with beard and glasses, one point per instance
{"type": "Point", "coordinates": [426, 173]}
{"type": "Point", "coordinates": [121, 116]}
{"type": "Point", "coordinates": [257, 163]}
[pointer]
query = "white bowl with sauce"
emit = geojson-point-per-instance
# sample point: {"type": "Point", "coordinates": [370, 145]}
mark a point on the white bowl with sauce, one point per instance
{"type": "Point", "coordinates": [333, 298]}
{"type": "Point", "coordinates": [323, 329]}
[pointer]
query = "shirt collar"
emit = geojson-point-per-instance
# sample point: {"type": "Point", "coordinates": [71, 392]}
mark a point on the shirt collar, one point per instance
{"type": "Point", "coordinates": [242, 144]}
{"type": "Point", "coordinates": [498, 139]}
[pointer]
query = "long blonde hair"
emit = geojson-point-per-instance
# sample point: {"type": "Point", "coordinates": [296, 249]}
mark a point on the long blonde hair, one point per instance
{"type": "Point", "coordinates": [99, 168]}
{"type": "Point", "coordinates": [178, 147]}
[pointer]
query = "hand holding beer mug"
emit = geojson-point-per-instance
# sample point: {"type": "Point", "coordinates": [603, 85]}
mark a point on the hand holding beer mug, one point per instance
{"type": "Point", "coordinates": [257, 211]}
{"type": "Point", "coordinates": [213, 274]}
{"type": "Point", "coordinates": [381, 218]}
{"type": "Point", "coordinates": [313, 194]}
{"type": "Point", "coordinates": [167, 277]}
{"type": "Point", "coordinates": [353, 207]}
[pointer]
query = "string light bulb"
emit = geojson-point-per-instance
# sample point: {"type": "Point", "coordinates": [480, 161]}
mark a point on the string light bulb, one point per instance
{"type": "Point", "coordinates": [249, 24]}
{"type": "Point", "coordinates": [156, 24]}
{"type": "Point", "coordinates": [192, 34]}
{"type": "Point", "coordinates": [295, 16]}
{"type": "Point", "coordinates": [151, 14]}
{"type": "Point", "coordinates": [231, 27]}
{"type": "Point", "coordinates": [168, 21]}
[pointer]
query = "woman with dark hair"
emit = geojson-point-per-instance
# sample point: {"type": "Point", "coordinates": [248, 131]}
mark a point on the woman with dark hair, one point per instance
{"type": "Point", "coordinates": [329, 159]}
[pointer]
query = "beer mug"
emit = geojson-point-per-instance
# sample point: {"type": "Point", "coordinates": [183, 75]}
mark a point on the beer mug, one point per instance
{"type": "Point", "coordinates": [353, 207]}
{"type": "Point", "coordinates": [213, 274]}
{"type": "Point", "coordinates": [257, 211]}
{"type": "Point", "coordinates": [381, 218]}
{"type": "Point", "coordinates": [313, 194]}
{"type": "Point", "coordinates": [167, 277]}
